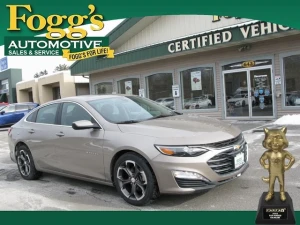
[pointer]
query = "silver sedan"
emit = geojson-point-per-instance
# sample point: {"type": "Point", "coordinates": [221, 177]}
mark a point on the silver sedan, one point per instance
{"type": "Point", "coordinates": [140, 147]}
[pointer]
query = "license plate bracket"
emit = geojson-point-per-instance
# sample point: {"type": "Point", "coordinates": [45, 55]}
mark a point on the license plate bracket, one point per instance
{"type": "Point", "coordinates": [239, 160]}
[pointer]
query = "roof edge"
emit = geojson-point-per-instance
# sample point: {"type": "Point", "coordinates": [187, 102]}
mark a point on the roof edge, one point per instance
{"type": "Point", "coordinates": [118, 31]}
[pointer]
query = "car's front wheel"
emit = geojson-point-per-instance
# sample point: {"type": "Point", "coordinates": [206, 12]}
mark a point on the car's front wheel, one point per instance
{"type": "Point", "coordinates": [134, 180]}
{"type": "Point", "coordinates": [25, 163]}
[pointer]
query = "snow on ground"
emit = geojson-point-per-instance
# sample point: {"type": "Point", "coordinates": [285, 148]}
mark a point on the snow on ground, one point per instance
{"type": "Point", "coordinates": [289, 120]}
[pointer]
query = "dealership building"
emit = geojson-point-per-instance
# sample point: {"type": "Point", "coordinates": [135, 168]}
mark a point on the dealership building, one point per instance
{"type": "Point", "coordinates": [8, 80]}
{"type": "Point", "coordinates": [51, 87]}
{"type": "Point", "coordinates": [228, 68]}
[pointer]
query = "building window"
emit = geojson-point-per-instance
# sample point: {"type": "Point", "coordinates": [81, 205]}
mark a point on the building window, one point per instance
{"type": "Point", "coordinates": [198, 88]}
{"type": "Point", "coordinates": [4, 84]}
{"type": "Point", "coordinates": [159, 88]}
{"type": "Point", "coordinates": [291, 68]}
{"type": "Point", "coordinates": [104, 88]}
{"type": "Point", "coordinates": [129, 86]}
{"type": "Point", "coordinates": [30, 96]}
{"type": "Point", "coordinates": [56, 93]}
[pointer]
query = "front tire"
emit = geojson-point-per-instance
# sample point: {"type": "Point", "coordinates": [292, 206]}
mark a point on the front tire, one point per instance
{"type": "Point", "coordinates": [25, 164]}
{"type": "Point", "coordinates": [134, 180]}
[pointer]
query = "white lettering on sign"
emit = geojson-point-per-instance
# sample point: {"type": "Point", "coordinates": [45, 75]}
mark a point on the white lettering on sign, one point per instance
{"type": "Point", "coordinates": [205, 40]}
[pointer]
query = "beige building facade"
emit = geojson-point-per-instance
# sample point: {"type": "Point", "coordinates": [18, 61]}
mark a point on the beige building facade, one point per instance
{"type": "Point", "coordinates": [227, 68]}
{"type": "Point", "coordinates": [51, 87]}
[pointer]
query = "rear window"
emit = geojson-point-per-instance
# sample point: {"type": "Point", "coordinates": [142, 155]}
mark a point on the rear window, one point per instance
{"type": "Point", "coordinates": [31, 106]}
{"type": "Point", "coordinates": [21, 107]}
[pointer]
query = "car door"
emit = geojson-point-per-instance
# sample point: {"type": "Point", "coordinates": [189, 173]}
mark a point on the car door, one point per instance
{"type": "Point", "coordinates": [21, 111]}
{"type": "Point", "coordinates": [40, 133]}
{"type": "Point", "coordinates": [80, 151]}
{"type": "Point", "coordinates": [7, 115]}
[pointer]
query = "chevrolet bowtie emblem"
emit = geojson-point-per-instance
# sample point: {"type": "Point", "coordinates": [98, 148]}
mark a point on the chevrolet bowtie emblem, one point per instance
{"type": "Point", "coordinates": [236, 147]}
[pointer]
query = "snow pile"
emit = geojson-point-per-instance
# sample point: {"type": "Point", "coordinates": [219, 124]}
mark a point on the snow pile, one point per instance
{"type": "Point", "coordinates": [289, 119]}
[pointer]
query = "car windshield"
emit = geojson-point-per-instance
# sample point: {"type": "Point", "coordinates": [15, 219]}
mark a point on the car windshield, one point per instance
{"type": "Point", "coordinates": [129, 109]}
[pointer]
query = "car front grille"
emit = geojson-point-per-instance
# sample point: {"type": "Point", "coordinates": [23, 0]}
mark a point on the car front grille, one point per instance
{"type": "Point", "coordinates": [187, 183]}
{"type": "Point", "coordinates": [226, 143]}
{"type": "Point", "coordinates": [223, 163]}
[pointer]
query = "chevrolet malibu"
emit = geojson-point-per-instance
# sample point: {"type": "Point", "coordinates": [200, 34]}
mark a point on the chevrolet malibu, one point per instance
{"type": "Point", "coordinates": [141, 147]}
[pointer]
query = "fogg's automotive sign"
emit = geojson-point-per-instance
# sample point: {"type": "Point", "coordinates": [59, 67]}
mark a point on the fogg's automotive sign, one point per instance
{"type": "Point", "coordinates": [213, 38]}
{"type": "Point", "coordinates": [57, 41]}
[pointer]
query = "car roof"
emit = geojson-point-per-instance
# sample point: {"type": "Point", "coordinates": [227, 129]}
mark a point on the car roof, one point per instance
{"type": "Point", "coordinates": [23, 103]}
{"type": "Point", "coordinates": [84, 98]}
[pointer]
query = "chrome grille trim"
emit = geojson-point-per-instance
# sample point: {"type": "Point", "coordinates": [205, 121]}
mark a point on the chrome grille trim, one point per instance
{"type": "Point", "coordinates": [222, 163]}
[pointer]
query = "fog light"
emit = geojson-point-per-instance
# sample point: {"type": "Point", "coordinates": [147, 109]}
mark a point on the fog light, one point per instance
{"type": "Point", "coordinates": [189, 175]}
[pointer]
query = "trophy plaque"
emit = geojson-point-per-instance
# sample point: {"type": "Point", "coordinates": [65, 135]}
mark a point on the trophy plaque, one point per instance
{"type": "Point", "coordinates": [275, 207]}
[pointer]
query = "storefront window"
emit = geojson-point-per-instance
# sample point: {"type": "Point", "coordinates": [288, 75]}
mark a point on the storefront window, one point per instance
{"type": "Point", "coordinates": [160, 88]}
{"type": "Point", "coordinates": [198, 88]}
{"type": "Point", "coordinates": [104, 88]}
{"type": "Point", "coordinates": [291, 68]}
{"type": "Point", "coordinates": [129, 86]}
{"type": "Point", "coordinates": [4, 85]}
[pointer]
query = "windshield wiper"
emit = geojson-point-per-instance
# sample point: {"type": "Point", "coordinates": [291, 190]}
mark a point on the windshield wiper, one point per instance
{"type": "Point", "coordinates": [161, 116]}
{"type": "Point", "coordinates": [178, 113]}
{"type": "Point", "coordinates": [128, 122]}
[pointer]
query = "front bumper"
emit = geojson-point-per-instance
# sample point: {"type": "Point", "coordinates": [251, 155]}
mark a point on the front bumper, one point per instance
{"type": "Point", "coordinates": [209, 165]}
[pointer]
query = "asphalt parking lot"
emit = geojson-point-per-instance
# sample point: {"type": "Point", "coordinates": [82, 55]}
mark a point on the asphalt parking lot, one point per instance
{"type": "Point", "coordinates": [58, 193]}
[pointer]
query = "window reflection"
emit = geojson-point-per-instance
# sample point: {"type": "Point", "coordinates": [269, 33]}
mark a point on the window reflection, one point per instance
{"type": "Point", "coordinates": [160, 89]}
{"type": "Point", "coordinates": [291, 66]}
{"type": "Point", "coordinates": [198, 88]}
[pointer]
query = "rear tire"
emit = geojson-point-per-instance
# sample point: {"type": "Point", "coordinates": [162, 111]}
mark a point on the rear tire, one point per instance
{"type": "Point", "coordinates": [26, 164]}
{"type": "Point", "coordinates": [134, 180]}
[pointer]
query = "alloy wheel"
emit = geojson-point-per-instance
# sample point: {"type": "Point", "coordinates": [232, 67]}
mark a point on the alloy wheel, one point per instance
{"type": "Point", "coordinates": [132, 180]}
{"type": "Point", "coordinates": [24, 163]}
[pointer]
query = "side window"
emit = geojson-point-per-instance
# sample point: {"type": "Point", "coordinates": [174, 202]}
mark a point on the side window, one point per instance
{"type": "Point", "coordinates": [32, 117]}
{"type": "Point", "coordinates": [47, 114]}
{"type": "Point", "coordinates": [72, 112]}
{"type": "Point", "coordinates": [9, 109]}
{"type": "Point", "coordinates": [21, 107]}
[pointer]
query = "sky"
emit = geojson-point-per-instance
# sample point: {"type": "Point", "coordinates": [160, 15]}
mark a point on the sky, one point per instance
{"type": "Point", "coordinates": [35, 64]}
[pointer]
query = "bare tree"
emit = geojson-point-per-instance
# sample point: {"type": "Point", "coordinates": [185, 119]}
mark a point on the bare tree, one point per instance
{"type": "Point", "coordinates": [61, 67]}
{"type": "Point", "coordinates": [41, 73]}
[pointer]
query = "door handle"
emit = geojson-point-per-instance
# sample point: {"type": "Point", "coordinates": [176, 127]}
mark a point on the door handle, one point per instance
{"type": "Point", "coordinates": [61, 134]}
{"type": "Point", "coordinates": [31, 131]}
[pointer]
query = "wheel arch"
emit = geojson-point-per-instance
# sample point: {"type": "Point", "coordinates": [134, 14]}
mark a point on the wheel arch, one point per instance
{"type": "Point", "coordinates": [119, 154]}
{"type": "Point", "coordinates": [20, 143]}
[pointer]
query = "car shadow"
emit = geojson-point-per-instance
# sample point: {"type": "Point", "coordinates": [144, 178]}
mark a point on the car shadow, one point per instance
{"type": "Point", "coordinates": [105, 195]}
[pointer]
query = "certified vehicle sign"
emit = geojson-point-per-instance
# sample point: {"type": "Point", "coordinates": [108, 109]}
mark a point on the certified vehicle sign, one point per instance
{"type": "Point", "coordinates": [239, 160]}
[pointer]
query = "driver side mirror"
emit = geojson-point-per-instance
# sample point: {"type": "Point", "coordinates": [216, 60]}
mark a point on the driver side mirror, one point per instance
{"type": "Point", "coordinates": [84, 124]}
{"type": "Point", "coordinates": [2, 112]}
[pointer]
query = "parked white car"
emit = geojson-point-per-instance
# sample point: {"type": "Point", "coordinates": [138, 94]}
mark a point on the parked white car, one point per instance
{"type": "Point", "coordinates": [168, 102]}
{"type": "Point", "coordinates": [200, 102]}
{"type": "Point", "coordinates": [240, 100]}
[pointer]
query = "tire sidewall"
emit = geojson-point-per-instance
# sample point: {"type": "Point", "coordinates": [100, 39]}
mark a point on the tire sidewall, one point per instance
{"type": "Point", "coordinates": [150, 178]}
{"type": "Point", "coordinates": [33, 172]}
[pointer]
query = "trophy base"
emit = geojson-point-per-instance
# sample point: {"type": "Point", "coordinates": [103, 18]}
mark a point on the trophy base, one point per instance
{"type": "Point", "coordinates": [275, 211]}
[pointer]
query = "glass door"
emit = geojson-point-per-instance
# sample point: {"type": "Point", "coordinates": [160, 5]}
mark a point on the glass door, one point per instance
{"type": "Point", "coordinates": [236, 91]}
{"type": "Point", "coordinates": [262, 94]}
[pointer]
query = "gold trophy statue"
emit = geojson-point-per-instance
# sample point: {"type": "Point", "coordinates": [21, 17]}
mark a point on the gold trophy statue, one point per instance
{"type": "Point", "coordinates": [275, 208]}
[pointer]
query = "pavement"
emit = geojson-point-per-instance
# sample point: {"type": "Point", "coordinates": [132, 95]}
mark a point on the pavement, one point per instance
{"type": "Point", "coordinates": [53, 192]}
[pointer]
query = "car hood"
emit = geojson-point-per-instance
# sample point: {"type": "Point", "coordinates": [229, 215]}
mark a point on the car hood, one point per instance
{"type": "Point", "coordinates": [183, 129]}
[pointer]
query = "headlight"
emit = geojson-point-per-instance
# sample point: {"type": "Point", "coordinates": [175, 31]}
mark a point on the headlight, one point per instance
{"type": "Point", "coordinates": [181, 151]}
